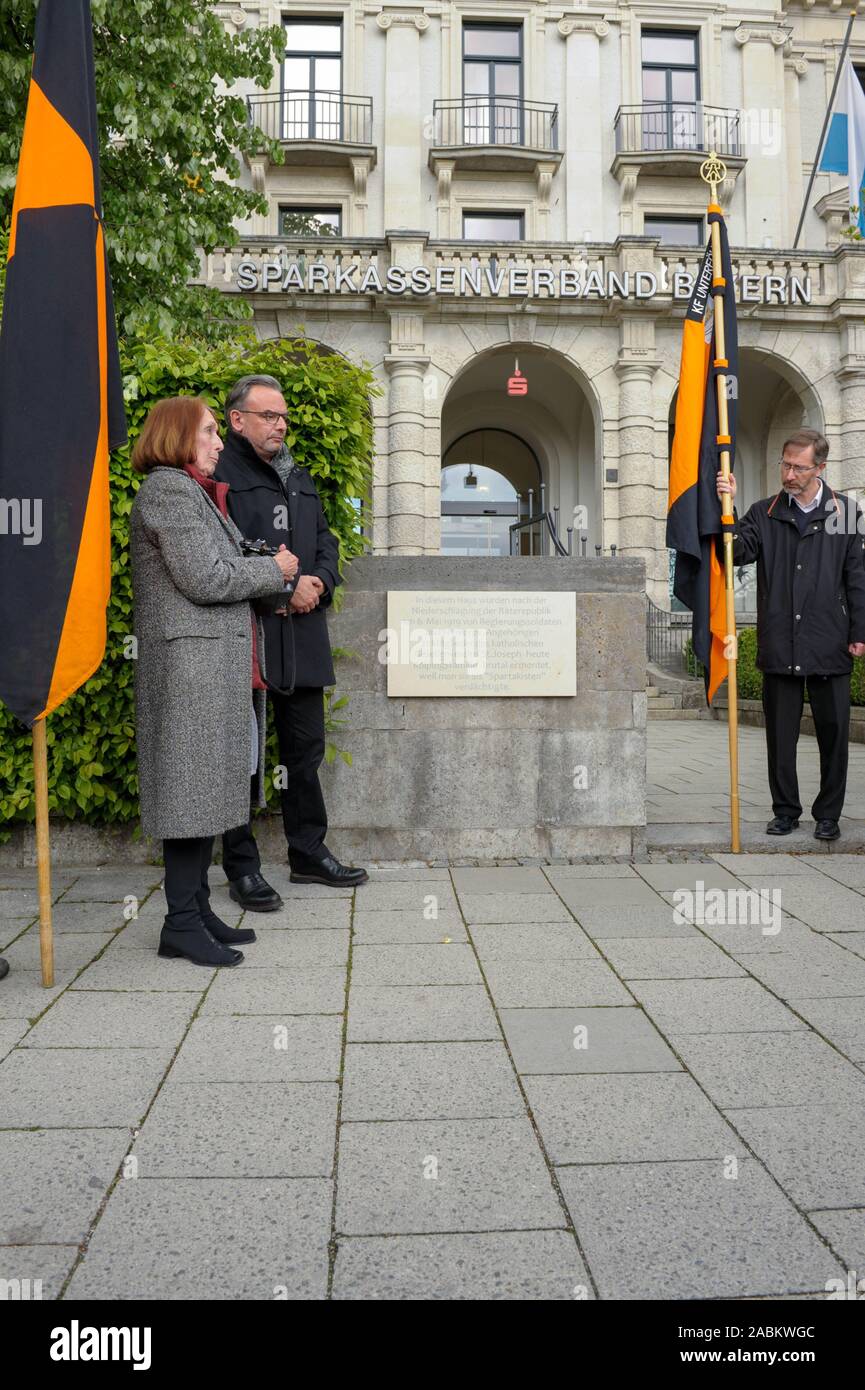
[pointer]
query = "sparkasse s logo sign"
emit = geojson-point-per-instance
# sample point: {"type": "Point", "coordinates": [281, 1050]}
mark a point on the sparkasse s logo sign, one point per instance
{"type": "Point", "coordinates": [77, 1343]}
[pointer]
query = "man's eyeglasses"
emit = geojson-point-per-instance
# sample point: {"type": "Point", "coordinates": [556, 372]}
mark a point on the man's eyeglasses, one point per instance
{"type": "Point", "coordinates": [799, 469]}
{"type": "Point", "coordinates": [269, 417]}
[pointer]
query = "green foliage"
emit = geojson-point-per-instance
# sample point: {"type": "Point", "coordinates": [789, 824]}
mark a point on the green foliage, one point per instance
{"type": "Point", "coordinates": [749, 680]}
{"type": "Point", "coordinates": [171, 127]}
{"type": "Point", "coordinates": [91, 758]}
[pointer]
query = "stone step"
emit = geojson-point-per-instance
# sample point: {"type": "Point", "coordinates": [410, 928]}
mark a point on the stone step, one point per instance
{"type": "Point", "coordinates": [653, 711]}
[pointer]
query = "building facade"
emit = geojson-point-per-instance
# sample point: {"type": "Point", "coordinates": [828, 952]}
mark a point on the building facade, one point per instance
{"type": "Point", "coordinates": [498, 206]}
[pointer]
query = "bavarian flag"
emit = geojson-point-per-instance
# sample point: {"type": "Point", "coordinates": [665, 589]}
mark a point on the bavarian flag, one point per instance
{"type": "Point", "coordinates": [694, 511]}
{"type": "Point", "coordinates": [61, 403]}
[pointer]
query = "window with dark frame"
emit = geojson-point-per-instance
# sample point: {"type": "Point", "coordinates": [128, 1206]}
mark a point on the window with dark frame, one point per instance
{"type": "Point", "coordinates": [676, 231]}
{"type": "Point", "coordinates": [494, 226]}
{"type": "Point", "coordinates": [492, 84]}
{"type": "Point", "coordinates": [312, 80]}
{"type": "Point", "coordinates": [671, 89]}
{"type": "Point", "coordinates": [309, 221]}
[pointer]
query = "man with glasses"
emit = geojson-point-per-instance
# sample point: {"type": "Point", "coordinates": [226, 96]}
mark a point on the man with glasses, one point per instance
{"type": "Point", "coordinates": [807, 543]}
{"type": "Point", "coordinates": [272, 498]}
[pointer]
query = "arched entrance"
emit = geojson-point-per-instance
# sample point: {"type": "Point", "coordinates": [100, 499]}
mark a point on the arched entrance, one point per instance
{"type": "Point", "coordinates": [537, 447]}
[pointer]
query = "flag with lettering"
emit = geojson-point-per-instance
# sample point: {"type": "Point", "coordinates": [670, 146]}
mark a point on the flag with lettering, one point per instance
{"type": "Point", "coordinates": [61, 402]}
{"type": "Point", "coordinates": [693, 510]}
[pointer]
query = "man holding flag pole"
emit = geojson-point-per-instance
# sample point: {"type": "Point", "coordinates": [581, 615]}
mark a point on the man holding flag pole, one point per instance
{"type": "Point", "coordinates": [58, 363]}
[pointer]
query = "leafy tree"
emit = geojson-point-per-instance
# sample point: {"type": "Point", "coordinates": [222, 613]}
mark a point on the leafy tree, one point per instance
{"type": "Point", "coordinates": [170, 133]}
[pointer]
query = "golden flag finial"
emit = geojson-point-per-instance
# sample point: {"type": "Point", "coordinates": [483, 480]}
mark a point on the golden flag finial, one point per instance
{"type": "Point", "coordinates": [713, 171]}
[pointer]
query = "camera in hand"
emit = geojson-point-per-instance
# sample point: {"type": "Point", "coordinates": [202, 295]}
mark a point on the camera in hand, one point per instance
{"type": "Point", "coordinates": [261, 547]}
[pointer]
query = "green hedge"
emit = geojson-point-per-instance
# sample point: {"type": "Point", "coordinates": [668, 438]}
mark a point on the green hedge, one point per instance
{"type": "Point", "coordinates": [749, 680]}
{"type": "Point", "coordinates": [91, 739]}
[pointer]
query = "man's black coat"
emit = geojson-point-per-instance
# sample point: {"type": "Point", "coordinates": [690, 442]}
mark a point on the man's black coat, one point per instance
{"type": "Point", "coordinates": [810, 585]}
{"type": "Point", "coordinates": [257, 504]}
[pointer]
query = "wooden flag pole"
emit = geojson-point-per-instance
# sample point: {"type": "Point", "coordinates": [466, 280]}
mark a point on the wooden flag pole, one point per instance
{"type": "Point", "coordinates": [43, 851]}
{"type": "Point", "coordinates": [713, 172]}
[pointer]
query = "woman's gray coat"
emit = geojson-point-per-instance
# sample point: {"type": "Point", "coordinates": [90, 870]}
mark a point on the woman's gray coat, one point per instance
{"type": "Point", "coordinates": [193, 675]}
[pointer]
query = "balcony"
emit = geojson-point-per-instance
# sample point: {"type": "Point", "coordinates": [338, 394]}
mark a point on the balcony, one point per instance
{"type": "Point", "coordinates": [316, 127]}
{"type": "Point", "coordinates": [495, 134]}
{"type": "Point", "coordinates": [674, 138]}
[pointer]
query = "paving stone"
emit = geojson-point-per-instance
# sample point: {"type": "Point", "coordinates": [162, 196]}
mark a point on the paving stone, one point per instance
{"type": "Point", "coordinates": [519, 880]}
{"type": "Point", "coordinates": [11, 1029]}
{"type": "Point", "coordinates": [158, 1237]}
{"type": "Point", "coordinates": [499, 1265]}
{"type": "Point", "coordinates": [553, 984]}
{"type": "Point", "coordinates": [19, 903]}
{"type": "Point", "coordinates": [406, 897]}
{"type": "Point", "coordinates": [278, 876]}
{"type": "Point", "coordinates": [603, 922]}
{"type": "Point", "coordinates": [44, 1266]}
{"type": "Point", "coordinates": [101, 1019]}
{"type": "Point", "coordinates": [754, 1069]}
{"type": "Point", "coordinates": [143, 970]}
{"type": "Point", "coordinates": [669, 877]}
{"type": "Point", "coordinates": [298, 950]}
{"type": "Point", "coordinates": [250, 991]}
{"type": "Point", "coordinates": [673, 959]}
{"type": "Point", "coordinates": [816, 1151]}
{"type": "Point", "coordinates": [713, 1006]}
{"type": "Point", "coordinates": [826, 906]}
{"type": "Point", "coordinates": [845, 1232]}
{"type": "Point", "coordinates": [454, 964]}
{"type": "Point", "coordinates": [843, 868]}
{"type": "Point", "coordinates": [538, 941]}
{"type": "Point", "coordinates": [406, 873]}
{"type": "Point", "coordinates": [849, 940]}
{"type": "Point", "coordinates": [87, 917]}
{"type": "Point", "coordinates": [489, 1175]}
{"type": "Point", "coordinates": [744, 864]}
{"type": "Point", "coordinates": [542, 1041]}
{"type": "Point", "coordinates": [72, 950]}
{"type": "Point", "coordinates": [258, 1048]}
{"type": "Point", "coordinates": [388, 1013]}
{"type": "Point", "coordinates": [54, 1180]}
{"type": "Point", "coordinates": [684, 1231]}
{"type": "Point", "coordinates": [304, 915]}
{"type": "Point", "coordinates": [406, 928]}
{"type": "Point", "coordinates": [607, 892]}
{"type": "Point", "coordinates": [744, 939]}
{"type": "Point", "coordinates": [821, 971]}
{"type": "Point", "coordinates": [22, 994]}
{"type": "Point", "coordinates": [841, 1021]}
{"type": "Point", "coordinates": [565, 873]}
{"type": "Point", "coordinates": [114, 883]}
{"type": "Point", "coordinates": [479, 908]}
{"type": "Point", "coordinates": [626, 1119]}
{"type": "Point", "coordinates": [240, 1130]}
{"type": "Point", "coordinates": [429, 1081]}
{"type": "Point", "coordinates": [57, 1087]}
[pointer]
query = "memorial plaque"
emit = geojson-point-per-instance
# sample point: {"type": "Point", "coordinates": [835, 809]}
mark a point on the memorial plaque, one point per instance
{"type": "Point", "coordinates": [455, 642]}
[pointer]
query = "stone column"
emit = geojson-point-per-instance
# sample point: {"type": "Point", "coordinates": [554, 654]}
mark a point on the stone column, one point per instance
{"type": "Point", "coordinates": [766, 191]}
{"type": "Point", "coordinates": [582, 135]}
{"type": "Point", "coordinates": [403, 119]}
{"type": "Point", "coordinates": [849, 471]}
{"type": "Point", "coordinates": [639, 498]}
{"type": "Point", "coordinates": [408, 495]}
{"type": "Point", "coordinates": [795, 68]}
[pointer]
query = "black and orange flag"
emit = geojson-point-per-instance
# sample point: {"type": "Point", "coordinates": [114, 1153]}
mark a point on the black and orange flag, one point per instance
{"type": "Point", "coordinates": [61, 402]}
{"type": "Point", "coordinates": [694, 511]}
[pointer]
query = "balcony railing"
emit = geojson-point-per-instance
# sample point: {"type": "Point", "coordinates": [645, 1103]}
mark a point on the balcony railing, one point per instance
{"type": "Point", "coordinates": [499, 120]}
{"type": "Point", "coordinates": [303, 115]}
{"type": "Point", "coordinates": [659, 127]}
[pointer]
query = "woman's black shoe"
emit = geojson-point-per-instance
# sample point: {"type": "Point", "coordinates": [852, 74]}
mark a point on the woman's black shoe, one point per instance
{"type": "Point", "coordinates": [228, 936]}
{"type": "Point", "coordinates": [198, 945]}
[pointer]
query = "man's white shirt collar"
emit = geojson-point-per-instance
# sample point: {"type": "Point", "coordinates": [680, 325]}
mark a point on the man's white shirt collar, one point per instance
{"type": "Point", "coordinates": [809, 506]}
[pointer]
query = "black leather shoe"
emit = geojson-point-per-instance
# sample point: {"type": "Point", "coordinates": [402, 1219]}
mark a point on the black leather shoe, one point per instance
{"type": "Point", "coordinates": [255, 894]}
{"type": "Point", "coordinates": [228, 936]}
{"type": "Point", "coordinates": [782, 825]}
{"type": "Point", "coordinates": [198, 945]}
{"type": "Point", "coordinates": [328, 871]}
{"type": "Point", "coordinates": [827, 830]}
{"type": "Point", "coordinates": [4, 968]}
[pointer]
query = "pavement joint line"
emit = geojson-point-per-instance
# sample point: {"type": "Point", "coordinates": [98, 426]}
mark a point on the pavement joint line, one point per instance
{"type": "Point", "coordinates": [569, 1220]}
{"type": "Point", "coordinates": [680, 1059]}
{"type": "Point", "coordinates": [84, 1244]}
{"type": "Point", "coordinates": [463, 1231]}
{"type": "Point", "coordinates": [333, 1240]}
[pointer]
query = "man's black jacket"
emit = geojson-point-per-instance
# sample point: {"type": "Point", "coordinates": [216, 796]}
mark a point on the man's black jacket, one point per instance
{"type": "Point", "coordinates": [297, 648]}
{"type": "Point", "coordinates": [810, 585]}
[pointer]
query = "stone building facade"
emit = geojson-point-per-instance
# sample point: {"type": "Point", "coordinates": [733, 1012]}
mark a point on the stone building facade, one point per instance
{"type": "Point", "coordinates": [498, 206]}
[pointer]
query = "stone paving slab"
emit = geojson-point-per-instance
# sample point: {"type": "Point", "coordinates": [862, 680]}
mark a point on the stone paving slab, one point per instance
{"type": "Point", "coordinates": [820, 970]}
{"type": "Point", "coordinates": [607, 892]}
{"type": "Point", "coordinates": [452, 964]}
{"type": "Point", "coordinates": [489, 1175]}
{"type": "Point", "coordinates": [566, 873]}
{"type": "Point", "coordinates": [554, 984]}
{"type": "Point", "coordinates": [72, 950]}
{"type": "Point", "coordinates": [54, 1181]}
{"type": "Point", "coordinates": [113, 1020]}
{"type": "Point", "coordinates": [143, 970]}
{"type": "Point", "coordinates": [87, 917]}
{"type": "Point", "coordinates": [713, 1006]}
{"type": "Point", "coordinates": [603, 922]}
{"type": "Point", "coordinates": [406, 929]}
{"type": "Point", "coordinates": [24, 996]}
{"type": "Point", "coordinates": [157, 1239]}
{"type": "Point", "coordinates": [684, 1231]}
{"type": "Point", "coordinates": [298, 950]}
{"type": "Point", "coordinates": [816, 1151]}
{"type": "Point", "coordinates": [669, 877]}
{"type": "Point", "coordinates": [841, 1021]}
{"type": "Point", "coordinates": [406, 897]}
{"type": "Point", "coordinates": [770, 1069]}
{"type": "Point", "coordinates": [113, 884]}
{"type": "Point", "coordinates": [538, 941]}
{"type": "Point", "coordinates": [260, 1048]}
{"type": "Point", "coordinates": [614, 1040]}
{"type": "Point", "coordinates": [669, 959]}
{"type": "Point", "coordinates": [626, 1119]}
{"type": "Point", "coordinates": [850, 941]}
{"type": "Point", "coordinates": [11, 1030]}
{"type": "Point", "coordinates": [305, 915]}
{"type": "Point", "coordinates": [518, 880]}
{"type": "Point", "coordinates": [245, 990]}
{"type": "Point", "coordinates": [499, 1265]}
{"type": "Point", "coordinates": [251, 1130]}
{"type": "Point", "coordinates": [61, 1087]}
{"type": "Point", "coordinates": [845, 1232]}
{"type": "Point", "coordinates": [433, 1013]}
{"type": "Point", "coordinates": [45, 1266]}
{"type": "Point", "coordinates": [429, 1081]}
{"type": "Point", "coordinates": [480, 908]}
